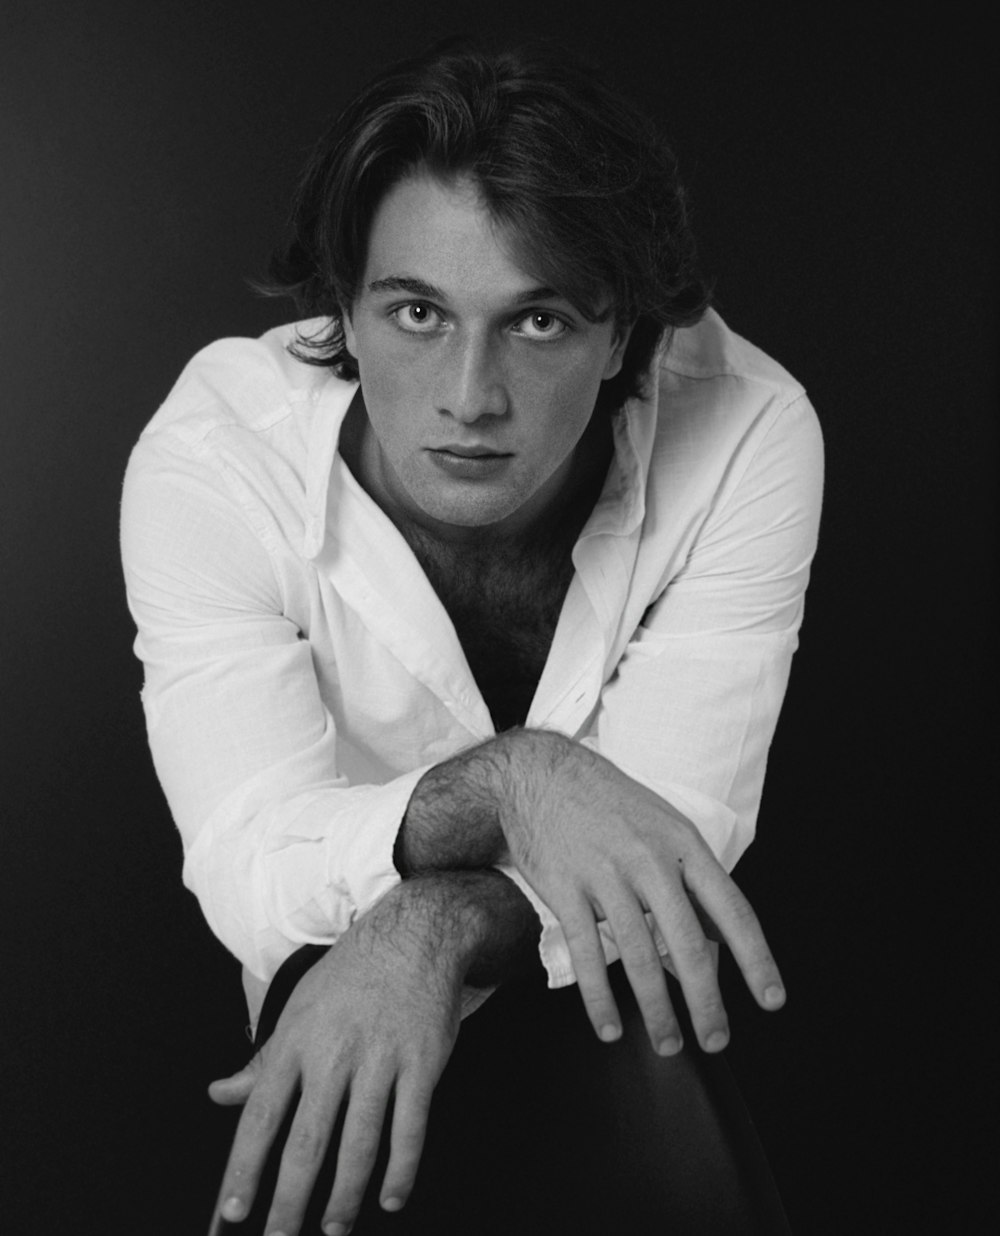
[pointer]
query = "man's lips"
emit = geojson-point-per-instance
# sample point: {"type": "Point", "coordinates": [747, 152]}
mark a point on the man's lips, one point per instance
{"type": "Point", "coordinates": [470, 463]}
{"type": "Point", "coordinates": [469, 452]}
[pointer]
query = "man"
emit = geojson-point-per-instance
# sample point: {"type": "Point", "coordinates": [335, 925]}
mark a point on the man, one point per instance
{"type": "Point", "coordinates": [467, 605]}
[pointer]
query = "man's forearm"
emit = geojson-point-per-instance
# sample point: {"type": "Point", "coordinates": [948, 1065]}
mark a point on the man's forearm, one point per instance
{"type": "Point", "coordinates": [478, 924]}
{"type": "Point", "coordinates": [453, 819]}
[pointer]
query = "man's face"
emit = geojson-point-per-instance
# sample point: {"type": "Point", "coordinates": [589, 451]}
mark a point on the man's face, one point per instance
{"type": "Point", "coordinates": [478, 381]}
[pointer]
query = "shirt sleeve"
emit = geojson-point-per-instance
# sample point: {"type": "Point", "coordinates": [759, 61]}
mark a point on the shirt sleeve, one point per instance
{"type": "Point", "coordinates": [279, 849]}
{"type": "Point", "coordinates": [691, 708]}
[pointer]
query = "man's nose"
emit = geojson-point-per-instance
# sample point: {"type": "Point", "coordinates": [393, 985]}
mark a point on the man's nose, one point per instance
{"type": "Point", "coordinates": [472, 381]}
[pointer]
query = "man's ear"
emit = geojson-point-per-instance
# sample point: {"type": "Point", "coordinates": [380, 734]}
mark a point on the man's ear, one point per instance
{"type": "Point", "coordinates": [617, 354]}
{"type": "Point", "coordinates": [350, 342]}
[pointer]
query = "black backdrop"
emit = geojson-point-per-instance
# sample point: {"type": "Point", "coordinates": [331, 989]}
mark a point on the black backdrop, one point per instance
{"type": "Point", "coordinates": [843, 175]}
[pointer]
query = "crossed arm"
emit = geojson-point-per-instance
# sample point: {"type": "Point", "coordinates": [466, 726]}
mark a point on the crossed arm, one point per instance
{"type": "Point", "coordinates": [594, 845]}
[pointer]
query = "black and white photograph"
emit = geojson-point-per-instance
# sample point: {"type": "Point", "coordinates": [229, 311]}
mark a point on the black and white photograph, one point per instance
{"type": "Point", "coordinates": [499, 511]}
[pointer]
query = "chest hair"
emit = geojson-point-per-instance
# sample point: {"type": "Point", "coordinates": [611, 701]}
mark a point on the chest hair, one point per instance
{"type": "Point", "coordinates": [504, 601]}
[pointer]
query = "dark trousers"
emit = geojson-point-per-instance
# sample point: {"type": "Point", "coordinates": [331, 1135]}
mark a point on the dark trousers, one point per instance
{"type": "Point", "coordinates": [538, 1129]}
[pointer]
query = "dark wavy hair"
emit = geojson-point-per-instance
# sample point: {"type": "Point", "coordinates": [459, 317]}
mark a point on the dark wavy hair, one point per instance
{"type": "Point", "coordinates": [580, 177]}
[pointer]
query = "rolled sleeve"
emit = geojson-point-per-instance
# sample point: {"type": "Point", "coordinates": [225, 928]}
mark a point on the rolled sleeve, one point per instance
{"type": "Point", "coordinates": [274, 870]}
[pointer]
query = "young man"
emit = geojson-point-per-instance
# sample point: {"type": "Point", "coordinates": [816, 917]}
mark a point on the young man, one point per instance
{"type": "Point", "coordinates": [467, 605]}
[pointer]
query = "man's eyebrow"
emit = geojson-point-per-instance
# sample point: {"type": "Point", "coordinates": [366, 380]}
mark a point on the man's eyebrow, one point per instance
{"type": "Point", "coordinates": [418, 287]}
{"type": "Point", "coordinates": [405, 283]}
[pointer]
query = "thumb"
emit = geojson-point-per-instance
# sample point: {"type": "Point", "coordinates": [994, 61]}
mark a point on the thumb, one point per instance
{"type": "Point", "coordinates": [229, 1091]}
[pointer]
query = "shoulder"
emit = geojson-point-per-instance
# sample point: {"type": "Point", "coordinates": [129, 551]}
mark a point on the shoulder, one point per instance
{"type": "Point", "coordinates": [718, 397]}
{"type": "Point", "coordinates": [723, 419]}
{"type": "Point", "coordinates": [712, 352]}
{"type": "Point", "coordinates": [711, 372]}
{"type": "Point", "coordinates": [247, 421]}
{"type": "Point", "coordinates": [248, 406]}
{"type": "Point", "coordinates": [241, 384]}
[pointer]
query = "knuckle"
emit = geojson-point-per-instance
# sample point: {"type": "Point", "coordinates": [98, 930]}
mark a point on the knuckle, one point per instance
{"type": "Point", "coordinates": [579, 933]}
{"type": "Point", "coordinates": [632, 934]}
{"type": "Point", "coordinates": [357, 1152]}
{"type": "Point", "coordinates": [595, 994]}
{"type": "Point", "coordinates": [763, 965]}
{"type": "Point", "coordinates": [644, 966]}
{"type": "Point", "coordinates": [700, 953]}
{"type": "Point", "coordinates": [260, 1113]}
{"type": "Point", "coordinates": [710, 1009]}
{"type": "Point", "coordinates": [366, 1118]}
{"type": "Point", "coordinates": [591, 973]}
{"type": "Point", "coordinates": [602, 1015]}
{"type": "Point", "coordinates": [657, 1015]}
{"type": "Point", "coordinates": [598, 1001]}
{"type": "Point", "coordinates": [305, 1147]}
{"type": "Point", "coordinates": [741, 912]}
{"type": "Point", "coordinates": [693, 950]}
{"type": "Point", "coordinates": [406, 1150]}
{"type": "Point", "coordinates": [409, 1129]}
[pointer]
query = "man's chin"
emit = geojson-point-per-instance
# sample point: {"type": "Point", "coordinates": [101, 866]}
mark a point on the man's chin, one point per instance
{"type": "Point", "coordinates": [472, 519]}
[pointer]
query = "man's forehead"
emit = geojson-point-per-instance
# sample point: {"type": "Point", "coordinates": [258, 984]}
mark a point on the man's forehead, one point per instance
{"type": "Point", "coordinates": [436, 236]}
{"type": "Point", "coordinates": [437, 239]}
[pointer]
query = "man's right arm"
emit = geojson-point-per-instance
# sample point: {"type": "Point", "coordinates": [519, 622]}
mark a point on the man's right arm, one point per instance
{"type": "Point", "coordinates": [368, 1030]}
{"type": "Point", "coordinates": [452, 821]}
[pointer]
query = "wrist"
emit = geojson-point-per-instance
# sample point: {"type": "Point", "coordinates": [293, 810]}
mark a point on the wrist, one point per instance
{"type": "Point", "coordinates": [451, 822]}
{"type": "Point", "coordinates": [468, 927]}
{"type": "Point", "coordinates": [529, 763]}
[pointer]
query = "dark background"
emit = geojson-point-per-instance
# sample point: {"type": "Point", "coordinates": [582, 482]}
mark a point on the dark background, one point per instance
{"type": "Point", "coordinates": [843, 174]}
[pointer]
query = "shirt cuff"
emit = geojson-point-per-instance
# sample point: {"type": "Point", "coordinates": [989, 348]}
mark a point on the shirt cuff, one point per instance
{"type": "Point", "coordinates": [273, 875]}
{"type": "Point", "coordinates": [552, 947]}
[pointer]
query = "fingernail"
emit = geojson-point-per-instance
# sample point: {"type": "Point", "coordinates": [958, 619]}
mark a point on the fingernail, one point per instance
{"type": "Point", "coordinates": [393, 1203]}
{"type": "Point", "coordinates": [670, 1046]}
{"type": "Point", "coordinates": [336, 1229]}
{"type": "Point", "coordinates": [233, 1209]}
{"type": "Point", "coordinates": [609, 1033]}
{"type": "Point", "coordinates": [774, 996]}
{"type": "Point", "coordinates": [716, 1040]}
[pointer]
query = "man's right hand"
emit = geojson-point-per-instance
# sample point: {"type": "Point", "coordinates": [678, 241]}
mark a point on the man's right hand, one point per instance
{"type": "Point", "coordinates": [376, 1017]}
{"type": "Point", "coordinates": [595, 844]}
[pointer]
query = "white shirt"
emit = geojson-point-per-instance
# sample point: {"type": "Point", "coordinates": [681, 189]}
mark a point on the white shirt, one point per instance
{"type": "Point", "coordinates": [301, 673]}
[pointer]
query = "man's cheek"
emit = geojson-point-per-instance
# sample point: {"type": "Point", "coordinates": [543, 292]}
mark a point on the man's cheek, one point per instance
{"type": "Point", "coordinates": [390, 393]}
{"type": "Point", "coordinates": [407, 386]}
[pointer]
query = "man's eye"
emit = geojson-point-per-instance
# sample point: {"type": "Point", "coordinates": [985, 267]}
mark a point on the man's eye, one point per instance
{"type": "Point", "coordinates": [542, 325]}
{"type": "Point", "coordinates": [416, 317]}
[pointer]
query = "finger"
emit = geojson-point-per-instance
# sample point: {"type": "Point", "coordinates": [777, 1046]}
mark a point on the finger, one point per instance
{"type": "Point", "coordinates": [228, 1091]}
{"type": "Point", "coordinates": [587, 955]}
{"type": "Point", "coordinates": [721, 898]}
{"type": "Point", "coordinates": [303, 1155]}
{"type": "Point", "coordinates": [693, 957]}
{"type": "Point", "coordinates": [644, 969]}
{"type": "Point", "coordinates": [409, 1128]}
{"type": "Point", "coordinates": [259, 1123]}
{"type": "Point", "coordinates": [358, 1147]}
